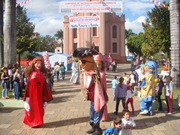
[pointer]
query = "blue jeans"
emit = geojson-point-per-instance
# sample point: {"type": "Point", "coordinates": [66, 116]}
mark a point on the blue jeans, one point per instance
{"type": "Point", "coordinates": [57, 75]}
{"type": "Point", "coordinates": [5, 85]}
{"type": "Point", "coordinates": [16, 90]}
{"type": "Point", "coordinates": [146, 103]}
{"type": "Point", "coordinates": [63, 75]}
{"type": "Point", "coordinates": [95, 117]}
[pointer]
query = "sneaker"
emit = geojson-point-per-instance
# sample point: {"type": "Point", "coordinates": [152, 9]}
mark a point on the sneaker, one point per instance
{"type": "Point", "coordinates": [169, 113]}
{"type": "Point", "coordinates": [144, 112]}
{"type": "Point", "coordinates": [3, 97]}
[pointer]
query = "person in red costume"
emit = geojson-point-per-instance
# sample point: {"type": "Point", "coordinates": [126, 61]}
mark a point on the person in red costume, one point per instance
{"type": "Point", "coordinates": [37, 93]}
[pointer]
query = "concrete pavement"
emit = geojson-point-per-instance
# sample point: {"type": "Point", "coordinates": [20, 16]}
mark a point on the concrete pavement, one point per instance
{"type": "Point", "coordinates": [68, 114]}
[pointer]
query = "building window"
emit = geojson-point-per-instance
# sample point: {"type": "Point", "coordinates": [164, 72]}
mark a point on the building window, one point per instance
{"type": "Point", "coordinates": [114, 31]}
{"type": "Point", "coordinates": [75, 46]}
{"type": "Point", "coordinates": [114, 47]}
{"type": "Point", "coordinates": [75, 33]}
{"type": "Point", "coordinates": [94, 31]}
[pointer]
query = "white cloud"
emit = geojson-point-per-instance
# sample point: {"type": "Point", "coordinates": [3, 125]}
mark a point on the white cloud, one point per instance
{"type": "Point", "coordinates": [135, 25]}
{"type": "Point", "coordinates": [45, 15]}
{"type": "Point", "coordinates": [48, 26]}
{"type": "Point", "coordinates": [47, 19]}
{"type": "Point", "coordinates": [137, 7]}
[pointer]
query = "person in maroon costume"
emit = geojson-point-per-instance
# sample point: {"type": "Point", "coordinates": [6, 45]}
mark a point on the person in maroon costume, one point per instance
{"type": "Point", "coordinates": [37, 93]}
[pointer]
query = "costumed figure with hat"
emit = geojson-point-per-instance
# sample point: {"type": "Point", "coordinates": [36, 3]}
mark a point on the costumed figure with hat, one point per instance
{"type": "Point", "coordinates": [37, 93]}
{"type": "Point", "coordinates": [100, 68]}
{"type": "Point", "coordinates": [91, 87]}
{"type": "Point", "coordinates": [148, 90]}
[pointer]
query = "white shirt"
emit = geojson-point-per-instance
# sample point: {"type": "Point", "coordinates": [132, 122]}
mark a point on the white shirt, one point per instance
{"type": "Point", "coordinates": [132, 79]}
{"type": "Point", "coordinates": [168, 88]}
{"type": "Point", "coordinates": [127, 122]}
{"type": "Point", "coordinates": [129, 94]}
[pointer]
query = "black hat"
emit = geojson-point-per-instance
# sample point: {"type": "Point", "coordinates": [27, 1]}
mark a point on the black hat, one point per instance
{"type": "Point", "coordinates": [84, 52]}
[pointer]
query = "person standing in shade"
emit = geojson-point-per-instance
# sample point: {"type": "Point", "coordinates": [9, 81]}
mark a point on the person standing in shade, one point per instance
{"type": "Point", "coordinates": [5, 83]}
{"type": "Point", "coordinates": [159, 93]}
{"type": "Point", "coordinates": [169, 89]}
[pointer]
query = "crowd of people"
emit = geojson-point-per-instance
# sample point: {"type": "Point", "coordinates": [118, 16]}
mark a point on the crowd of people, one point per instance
{"type": "Point", "coordinates": [89, 70]}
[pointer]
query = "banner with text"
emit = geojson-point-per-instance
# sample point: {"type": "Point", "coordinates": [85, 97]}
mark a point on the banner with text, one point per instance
{"type": "Point", "coordinates": [90, 6]}
{"type": "Point", "coordinates": [84, 21]}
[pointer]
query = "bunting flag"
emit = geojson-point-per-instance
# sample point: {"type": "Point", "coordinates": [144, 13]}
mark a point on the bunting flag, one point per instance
{"type": "Point", "coordinates": [160, 4]}
{"type": "Point", "coordinates": [23, 3]}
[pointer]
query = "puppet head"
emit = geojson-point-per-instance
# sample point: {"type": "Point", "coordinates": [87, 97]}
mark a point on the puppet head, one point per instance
{"type": "Point", "coordinates": [99, 61]}
{"type": "Point", "coordinates": [85, 56]}
{"type": "Point", "coordinates": [151, 66]}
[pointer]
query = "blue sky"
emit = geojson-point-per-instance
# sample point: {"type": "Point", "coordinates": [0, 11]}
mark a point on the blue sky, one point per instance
{"type": "Point", "coordinates": [47, 19]}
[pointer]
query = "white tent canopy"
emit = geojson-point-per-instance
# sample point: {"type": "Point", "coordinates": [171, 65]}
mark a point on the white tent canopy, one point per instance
{"type": "Point", "coordinates": [58, 57]}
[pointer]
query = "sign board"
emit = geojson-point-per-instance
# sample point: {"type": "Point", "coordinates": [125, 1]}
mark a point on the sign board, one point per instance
{"type": "Point", "coordinates": [90, 6]}
{"type": "Point", "coordinates": [84, 21]}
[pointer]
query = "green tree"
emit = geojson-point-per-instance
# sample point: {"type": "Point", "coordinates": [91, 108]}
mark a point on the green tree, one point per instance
{"type": "Point", "coordinates": [128, 33]}
{"type": "Point", "coordinates": [135, 42]}
{"type": "Point", "coordinates": [44, 43]}
{"type": "Point", "coordinates": [59, 36]}
{"type": "Point", "coordinates": [157, 31]}
{"type": "Point", "coordinates": [24, 32]}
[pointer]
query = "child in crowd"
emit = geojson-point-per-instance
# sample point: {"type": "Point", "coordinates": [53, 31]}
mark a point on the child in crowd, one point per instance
{"type": "Point", "coordinates": [126, 78]}
{"type": "Point", "coordinates": [132, 79]}
{"type": "Point", "coordinates": [159, 93]}
{"type": "Point", "coordinates": [129, 97]}
{"type": "Point", "coordinates": [115, 127]}
{"type": "Point", "coordinates": [169, 88]}
{"type": "Point", "coordinates": [114, 83]}
{"type": "Point", "coordinates": [120, 94]}
{"type": "Point", "coordinates": [127, 123]}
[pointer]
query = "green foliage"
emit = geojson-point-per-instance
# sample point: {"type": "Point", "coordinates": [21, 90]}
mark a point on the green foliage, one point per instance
{"type": "Point", "coordinates": [157, 32]}
{"type": "Point", "coordinates": [24, 32]}
{"type": "Point", "coordinates": [128, 33]}
{"type": "Point", "coordinates": [59, 34]}
{"type": "Point", "coordinates": [41, 43]}
{"type": "Point", "coordinates": [134, 43]}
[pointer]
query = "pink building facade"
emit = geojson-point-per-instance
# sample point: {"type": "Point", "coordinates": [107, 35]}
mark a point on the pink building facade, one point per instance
{"type": "Point", "coordinates": [109, 38]}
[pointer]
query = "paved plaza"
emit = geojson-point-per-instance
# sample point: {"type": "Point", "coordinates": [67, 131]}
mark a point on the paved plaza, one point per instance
{"type": "Point", "coordinates": [68, 114]}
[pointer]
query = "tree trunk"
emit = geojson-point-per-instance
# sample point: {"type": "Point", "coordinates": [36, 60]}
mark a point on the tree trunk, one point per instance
{"type": "Point", "coordinates": [10, 32]}
{"type": "Point", "coordinates": [1, 33]}
{"type": "Point", "coordinates": [175, 41]}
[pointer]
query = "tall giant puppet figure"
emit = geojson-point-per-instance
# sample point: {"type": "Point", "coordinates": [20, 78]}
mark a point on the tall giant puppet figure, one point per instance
{"type": "Point", "coordinates": [101, 69]}
{"type": "Point", "coordinates": [91, 87]}
{"type": "Point", "coordinates": [148, 90]}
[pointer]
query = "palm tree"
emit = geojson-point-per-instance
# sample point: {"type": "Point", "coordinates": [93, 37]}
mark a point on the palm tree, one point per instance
{"type": "Point", "coordinates": [59, 36]}
{"type": "Point", "coordinates": [10, 32]}
{"type": "Point", "coordinates": [175, 40]}
{"type": "Point", "coordinates": [1, 32]}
